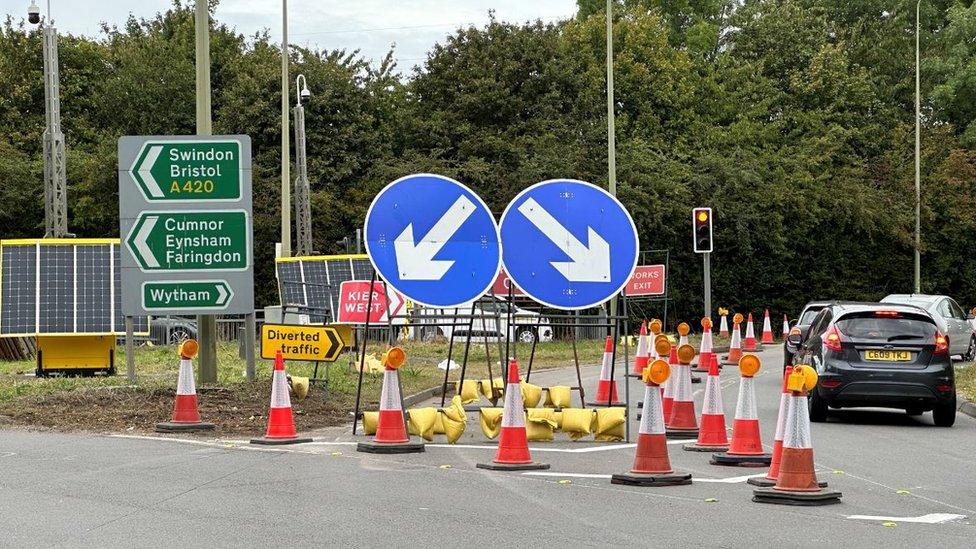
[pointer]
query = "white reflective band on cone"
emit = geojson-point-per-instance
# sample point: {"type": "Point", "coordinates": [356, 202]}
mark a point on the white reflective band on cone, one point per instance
{"type": "Point", "coordinates": [784, 404]}
{"type": "Point", "coordinates": [390, 395]}
{"type": "Point", "coordinates": [750, 330]}
{"type": "Point", "coordinates": [652, 415]}
{"type": "Point", "coordinates": [185, 385]}
{"type": "Point", "coordinates": [736, 338]}
{"type": "Point", "coordinates": [683, 340]}
{"type": "Point", "coordinates": [797, 430]}
{"type": "Point", "coordinates": [745, 406]}
{"type": "Point", "coordinates": [605, 369]}
{"type": "Point", "coordinates": [279, 390]}
{"type": "Point", "coordinates": [514, 413]}
{"type": "Point", "coordinates": [682, 392]}
{"type": "Point", "coordinates": [724, 325]}
{"type": "Point", "coordinates": [767, 327]}
{"type": "Point", "coordinates": [669, 385]}
{"type": "Point", "coordinates": [642, 345]}
{"type": "Point", "coordinates": [713, 396]}
{"type": "Point", "coordinates": [706, 344]}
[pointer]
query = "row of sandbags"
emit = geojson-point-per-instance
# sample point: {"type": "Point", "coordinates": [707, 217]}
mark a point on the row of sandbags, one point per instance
{"type": "Point", "coordinates": [605, 424]}
{"type": "Point", "coordinates": [427, 422]}
{"type": "Point", "coordinates": [558, 396]}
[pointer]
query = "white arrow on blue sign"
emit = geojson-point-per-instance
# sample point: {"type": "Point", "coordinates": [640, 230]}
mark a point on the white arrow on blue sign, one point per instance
{"type": "Point", "coordinates": [433, 239]}
{"type": "Point", "coordinates": [568, 244]}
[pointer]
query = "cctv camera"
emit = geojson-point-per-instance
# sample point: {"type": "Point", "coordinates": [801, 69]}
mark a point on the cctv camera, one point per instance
{"type": "Point", "coordinates": [306, 95]}
{"type": "Point", "coordinates": [34, 13]}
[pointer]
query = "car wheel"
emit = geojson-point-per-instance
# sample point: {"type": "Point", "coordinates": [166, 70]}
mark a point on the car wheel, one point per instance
{"type": "Point", "coordinates": [177, 336]}
{"type": "Point", "coordinates": [944, 413]}
{"type": "Point", "coordinates": [818, 407]}
{"type": "Point", "coordinates": [971, 353]}
{"type": "Point", "coordinates": [526, 335]}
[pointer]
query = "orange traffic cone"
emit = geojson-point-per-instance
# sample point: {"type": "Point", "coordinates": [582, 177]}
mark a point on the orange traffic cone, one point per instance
{"type": "Point", "coordinates": [773, 473]}
{"type": "Point", "coordinates": [723, 326]}
{"type": "Point", "coordinates": [652, 466]}
{"type": "Point", "coordinates": [786, 327]}
{"type": "Point", "coordinates": [513, 445]}
{"type": "Point", "coordinates": [391, 432]}
{"type": "Point", "coordinates": [281, 423]}
{"type": "Point", "coordinates": [641, 356]}
{"type": "Point", "coordinates": [606, 389]}
{"type": "Point", "coordinates": [711, 435]}
{"type": "Point", "coordinates": [749, 344]}
{"type": "Point", "coordinates": [186, 415]}
{"type": "Point", "coordinates": [683, 330]}
{"type": "Point", "coordinates": [662, 348]}
{"type": "Point", "coordinates": [767, 333]}
{"type": "Point", "coordinates": [796, 483]}
{"type": "Point", "coordinates": [683, 423]}
{"type": "Point", "coordinates": [735, 345]}
{"type": "Point", "coordinates": [746, 449]}
{"type": "Point", "coordinates": [705, 349]}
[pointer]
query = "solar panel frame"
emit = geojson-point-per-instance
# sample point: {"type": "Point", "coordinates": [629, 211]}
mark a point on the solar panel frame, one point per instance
{"type": "Point", "coordinates": [313, 282]}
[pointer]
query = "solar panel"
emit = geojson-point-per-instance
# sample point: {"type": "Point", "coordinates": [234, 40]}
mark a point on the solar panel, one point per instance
{"type": "Point", "coordinates": [313, 282]}
{"type": "Point", "coordinates": [61, 286]}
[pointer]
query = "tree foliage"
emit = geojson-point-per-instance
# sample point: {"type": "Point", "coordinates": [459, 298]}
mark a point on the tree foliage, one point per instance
{"type": "Point", "coordinates": [793, 119]}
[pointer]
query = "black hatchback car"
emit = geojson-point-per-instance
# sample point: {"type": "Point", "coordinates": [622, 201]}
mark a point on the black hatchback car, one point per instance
{"type": "Point", "coordinates": [878, 354]}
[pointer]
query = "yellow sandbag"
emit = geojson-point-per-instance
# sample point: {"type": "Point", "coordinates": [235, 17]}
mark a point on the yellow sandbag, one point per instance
{"type": "Point", "coordinates": [452, 428]}
{"type": "Point", "coordinates": [531, 394]}
{"type": "Point", "coordinates": [469, 391]}
{"type": "Point", "coordinates": [609, 424]}
{"type": "Point", "coordinates": [540, 423]}
{"type": "Point", "coordinates": [420, 421]}
{"type": "Point", "coordinates": [577, 422]}
{"type": "Point", "coordinates": [485, 386]}
{"type": "Point", "coordinates": [456, 410]}
{"type": "Point", "coordinates": [439, 424]}
{"type": "Point", "coordinates": [491, 420]}
{"type": "Point", "coordinates": [559, 396]}
{"type": "Point", "coordinates": [370, 421]}
{"type": "Point", "coordinates": [558, 418]}
{"type": "Point", "coordinates": [371, 365]}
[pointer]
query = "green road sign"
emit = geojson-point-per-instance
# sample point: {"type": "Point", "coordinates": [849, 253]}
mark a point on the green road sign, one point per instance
{"type": "Point", "coordinates": [211, 240]}
{"type": "Point", "coordinates": [186, 295]}
{"type": "Point", "coordinates": [188, 170]}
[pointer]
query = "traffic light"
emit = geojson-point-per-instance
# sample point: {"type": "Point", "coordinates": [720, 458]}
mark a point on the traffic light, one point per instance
{"type": "Point", "coordinates": [702, 229]}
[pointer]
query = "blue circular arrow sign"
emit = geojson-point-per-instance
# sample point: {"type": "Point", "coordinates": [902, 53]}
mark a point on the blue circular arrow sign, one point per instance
{"type": "Point", "coordinates": [568, 244]}
{"type": "Point", "coordinates": [433, 239]}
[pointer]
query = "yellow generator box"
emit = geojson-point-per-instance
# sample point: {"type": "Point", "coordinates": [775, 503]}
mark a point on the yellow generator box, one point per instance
{"type": "Point", "coordinates": [75, 354]}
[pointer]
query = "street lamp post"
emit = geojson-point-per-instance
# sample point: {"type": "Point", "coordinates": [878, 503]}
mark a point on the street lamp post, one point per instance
{"type": "Point", "coordinates": [918, 147]}
{"type": "Point", "coordinates": [55, 177]}
{"type": "Point", "coordinates": [303, 205]}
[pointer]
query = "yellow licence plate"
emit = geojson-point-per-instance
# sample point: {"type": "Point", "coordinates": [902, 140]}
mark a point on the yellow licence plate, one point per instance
{"type": "Point", "coordinates": [888, 356]}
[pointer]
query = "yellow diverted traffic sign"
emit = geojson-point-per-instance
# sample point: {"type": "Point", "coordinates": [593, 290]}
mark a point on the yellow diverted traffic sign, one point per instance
{"type": "Point", "coordinates": [298, 342]}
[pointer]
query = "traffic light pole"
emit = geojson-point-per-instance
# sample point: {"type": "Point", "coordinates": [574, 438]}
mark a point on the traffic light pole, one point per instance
{"type": "Point", "coordinates": [707, 260]}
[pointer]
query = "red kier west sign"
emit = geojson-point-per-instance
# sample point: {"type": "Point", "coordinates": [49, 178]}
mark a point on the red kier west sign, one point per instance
{"type": "Point", "coordinates": [354, 301]}
{"type": "Point", "coordinates": [647, 280]}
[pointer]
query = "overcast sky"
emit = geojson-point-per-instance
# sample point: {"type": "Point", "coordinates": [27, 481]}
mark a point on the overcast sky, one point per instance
{"type": "Point", "coordinates": [369, 25]}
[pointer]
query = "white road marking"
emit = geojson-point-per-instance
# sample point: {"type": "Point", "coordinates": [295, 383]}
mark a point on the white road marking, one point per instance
{"type": "Point", "coordinates": [729, 480]}
{"type": "Point", "coordinates": [573, 475]}
{"type": "Point", "coordinates": [931, 518]}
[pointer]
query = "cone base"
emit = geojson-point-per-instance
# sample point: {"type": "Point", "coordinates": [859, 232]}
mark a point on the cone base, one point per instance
{"type": "Point", "coordinates": [738, 460]}
{"type": "Point", "coordinates": [371, 447]}
{"type": "Point", "coordinates": [493, 466]}
{"type": "Point", "coordinates": [681, 433]}
{"type": "Point", "coordinates": [781, 497]}
{"type": "Point", "coordinates": [280, 441]}
{"type": "Point", "coordinates": [758, 349]}
{"type": "Point", "coordinates": [695, 447]}
{"type": "Point", "coordinates": [661, 479]}
{"type": "Point", "coordinates": [764, 482]}
{"type": "Point", "coordinates": [174, 427]}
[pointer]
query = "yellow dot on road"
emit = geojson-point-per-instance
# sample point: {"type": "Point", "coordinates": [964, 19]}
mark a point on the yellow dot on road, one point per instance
{"type": "Point", "coordinates": [889, 524]}
{"type": "Point", "coordinates": [711, 500]}
{"type": "Point", "coordinates": [903, 492]}
{"type": "Point", "coordinates": [445, 466]}
{"type": "Point", "coordinates": [565, 481]}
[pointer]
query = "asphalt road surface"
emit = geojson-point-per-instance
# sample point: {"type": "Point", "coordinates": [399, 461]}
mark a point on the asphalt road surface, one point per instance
{"type": "Point", "coordinates": [78, 490]}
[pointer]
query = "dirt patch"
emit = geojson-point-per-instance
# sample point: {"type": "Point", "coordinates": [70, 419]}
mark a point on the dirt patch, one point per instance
{"type": "Point", "coordinates": [239, 410]}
